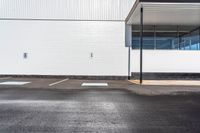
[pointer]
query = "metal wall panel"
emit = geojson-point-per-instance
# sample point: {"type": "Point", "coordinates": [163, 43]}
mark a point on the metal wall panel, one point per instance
{"type": "Point", "coordinates": [66, 9]}
{"type": "Point", "coordinates": [166, 61]}
{"type": "Point", "coordinates": [63, 48]}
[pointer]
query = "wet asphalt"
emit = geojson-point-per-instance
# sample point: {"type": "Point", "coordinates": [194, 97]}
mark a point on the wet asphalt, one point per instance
{"type": "Point", "coordinates": [96, 110]}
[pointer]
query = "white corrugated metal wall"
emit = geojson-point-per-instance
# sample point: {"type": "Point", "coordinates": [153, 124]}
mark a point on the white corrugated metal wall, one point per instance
{"type": "Point", "coordinates": [66, 9]}
{"type": "Point", "coordinates": [64, 46]}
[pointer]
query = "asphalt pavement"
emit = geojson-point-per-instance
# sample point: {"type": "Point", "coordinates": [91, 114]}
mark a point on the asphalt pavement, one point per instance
{"type": "Point", "coordinates": [96, 110]}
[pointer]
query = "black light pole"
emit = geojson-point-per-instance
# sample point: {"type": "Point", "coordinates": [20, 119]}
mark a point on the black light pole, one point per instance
{"type": "Point", "coordinates": [141, 43]}
{"type": "Point", "coordinates": [199, 38]}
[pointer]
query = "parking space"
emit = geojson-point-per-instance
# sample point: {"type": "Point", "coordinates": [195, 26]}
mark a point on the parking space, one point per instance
{"type": "Point", "coordinates": [32, 82]}
{"type": "Point", "coordinates": [61, 83]}
{"type": "Point", "coordinates": [62, 105]}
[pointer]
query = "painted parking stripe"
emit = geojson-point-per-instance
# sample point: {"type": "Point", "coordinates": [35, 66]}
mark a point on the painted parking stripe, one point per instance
{"type": "Point", "coordinates": [5, 77]}
{"type": "Point", "coordinates": [14, 83]}
{"type": "Point", "coordinates": [55, 83]}
{"type": "Point", "coordinates": [94, 84]}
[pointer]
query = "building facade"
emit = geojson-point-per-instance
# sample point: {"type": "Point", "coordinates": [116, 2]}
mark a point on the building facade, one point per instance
{"type": "Point", "coordinates": [63, 37]}
{"type": "Point", "coordinates": [170, 37]}
{"type": "Point", "coordinates": [98, 37]}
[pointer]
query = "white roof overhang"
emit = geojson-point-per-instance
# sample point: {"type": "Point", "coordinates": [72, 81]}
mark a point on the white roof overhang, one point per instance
{"type": "Point", "coordinates": [155, 13]}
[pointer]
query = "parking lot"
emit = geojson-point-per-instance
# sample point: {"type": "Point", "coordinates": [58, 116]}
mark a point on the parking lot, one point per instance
{"type": "Point", "coordinates": [65, 105]}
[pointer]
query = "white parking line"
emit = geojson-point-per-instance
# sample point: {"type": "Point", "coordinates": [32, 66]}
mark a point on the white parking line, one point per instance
{"type": "Point", "coordinates": [94, 84]}
{"type": "Point", "coordinates": [14, 83]}
{"type": "Point", "coordinates": [58, 82]}
{"type": "Point", "coordinates": [5, 77]}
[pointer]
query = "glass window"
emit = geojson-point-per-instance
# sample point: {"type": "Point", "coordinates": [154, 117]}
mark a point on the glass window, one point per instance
{"type": "Point", "coordinates": [135, 40]}
{"type": "Point", "coordinates": [190, 40]}
{"type": "Point", "coordinates": [148, 37]}
{"type": "Point", "coordinates": [148, 40]}
{"type": "Point", "coordinates": [195, 40]}
{"type": "Point", "coordinates": [167, 37]}
{"type": "Point", "coordinates": [166, 40]}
